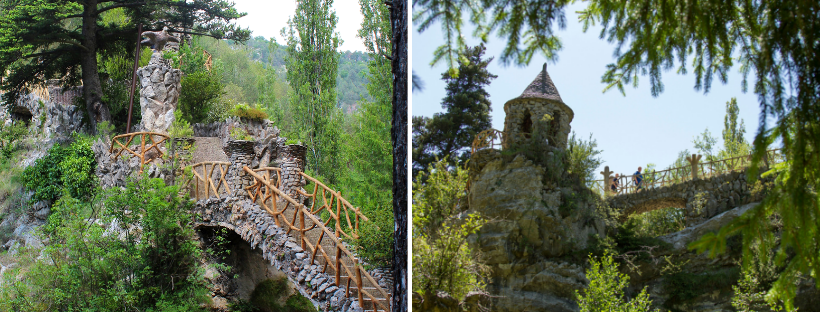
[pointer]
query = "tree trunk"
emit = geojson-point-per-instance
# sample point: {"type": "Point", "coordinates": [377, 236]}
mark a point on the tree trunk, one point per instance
{"type": "Point", "coordinates": [92, 88]}
{"type": "Point", "coordinates": [398, 133]}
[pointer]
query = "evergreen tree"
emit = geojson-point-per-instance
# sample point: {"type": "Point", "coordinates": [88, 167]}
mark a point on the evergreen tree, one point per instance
{"type": "Point", "coordinates": [369, 180]}
{"type": "Point", "coordinates": [733, 141]}
{"type": "Point", "coordinates": [312, 63]}
{"type": "Point", "coordinates": [449, 135]}
{"type": "Point", "coordinates": [47, 39]}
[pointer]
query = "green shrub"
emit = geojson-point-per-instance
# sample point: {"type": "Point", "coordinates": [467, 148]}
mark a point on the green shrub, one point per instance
{"type": "Point", "coordinates": [658, 222]}
{"type": "Point", "coordinates": [199, 91]}
{"type": "Point", "coordinates": [180, 128]}
{"type": "Point", "coordinates": [267, 295]}
{"type": "Point", "coordinates": [68, 168]}
{"type": "Point", "coordinates": [299, 303]}
{"type": "Point", "coordinates": [375, 243]}
{"type": "Point", "coordinates": [245, 111]}
{"type": "Point", "coordinates": [239, 133]}
{"type": "Point", "coordinates": [86, 269]}
{"type": "Point", "coordinates": [10, 137]}
{"type": "Point", "coordinates": [606, 289]}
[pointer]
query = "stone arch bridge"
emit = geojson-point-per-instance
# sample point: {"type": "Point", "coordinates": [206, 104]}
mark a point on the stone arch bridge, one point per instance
{"type": "Point", "coordinates": [704, 190]}
{"type": "Point", "coordinates": [303, 233]}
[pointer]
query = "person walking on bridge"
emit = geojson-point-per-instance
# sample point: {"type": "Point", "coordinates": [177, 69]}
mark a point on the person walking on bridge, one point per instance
{"type": "Point", "coordinates": [637, 178]}
{"type": "Point", "coordinates": [614, 185]}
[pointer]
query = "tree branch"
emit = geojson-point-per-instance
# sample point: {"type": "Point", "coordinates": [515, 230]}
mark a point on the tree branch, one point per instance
{"type": "Point", "coordinates": [120, 5]}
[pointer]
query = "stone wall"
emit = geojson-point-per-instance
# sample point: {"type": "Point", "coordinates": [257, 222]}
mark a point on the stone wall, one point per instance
{"type": "Point", "coordinates": [50, 111]}
{"type": "Point", "coordinates": [523, 113]}
{"type": "Point", "coordinates": [258, 228]}
{"type": "Point", "coordinates": [292, 181]}
{"type": "Point", "coordinates": [240, 154]}
{"type": "Point", "coordinates": [702, 198]}
{"type": "Point", "coordinates": [264, 133]}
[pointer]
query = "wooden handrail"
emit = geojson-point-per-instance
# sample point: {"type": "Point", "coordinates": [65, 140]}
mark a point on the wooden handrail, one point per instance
{"type": "Point", "coordinates": [676, 175]}
{"type": "Point", "coordinates": [487, 139]}
{"type": "Point", "coordinates": [207, 178]}
{"type": "Point", "coordinates": [143, 137]}
{"type": "Point", "coordinates": [264, 189]}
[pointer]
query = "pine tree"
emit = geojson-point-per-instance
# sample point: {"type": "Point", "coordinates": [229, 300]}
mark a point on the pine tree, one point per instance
{"type": "Point", "coordinates": [312, 64]}
{"type": "Point", "coordinates": [450, 134]}
{"type": "Point", "coordinates": [47, 39]}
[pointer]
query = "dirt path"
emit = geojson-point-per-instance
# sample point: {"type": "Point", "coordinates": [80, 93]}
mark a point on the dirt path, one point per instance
{"type": "Point", "coordinates": [208, 149]}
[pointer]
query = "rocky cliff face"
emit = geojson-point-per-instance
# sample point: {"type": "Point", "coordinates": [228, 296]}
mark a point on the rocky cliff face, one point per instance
{"type": "Point", "coordinates": [528, 234]}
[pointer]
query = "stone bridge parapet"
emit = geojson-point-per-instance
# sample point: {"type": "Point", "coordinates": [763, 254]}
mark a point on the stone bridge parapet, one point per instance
{"type": "Point", "coordinates": [702, 198]}
{"type": "Point", "coordinates": [257, 227]}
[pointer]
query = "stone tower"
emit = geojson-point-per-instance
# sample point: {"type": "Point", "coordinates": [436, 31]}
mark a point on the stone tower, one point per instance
{"type": "Point", "coordinates": [540, 104]}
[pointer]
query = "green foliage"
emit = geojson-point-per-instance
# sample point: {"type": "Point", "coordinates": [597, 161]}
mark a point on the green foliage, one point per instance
{"type": "Point", "coordinates": [583, 158]}
{"type": "Point", "coordinates": [10, 138]}
{"type": "Point", "coordinates": [449, 135]}
{"type": "Point", "coordinates": [606, 289]}
{"type": "Point", "coordinates": [180, 128]}
{"type": "Point", "coordinates": [86, 269]}
{"type": "Point", "coordinates": [200, 91]}
{"type": "Point", "coordinates": [375, 243]}
{"type": "Point", "coordinates": [239, 133]}
{"type": "Point", "coordinates": [526, 30]}
{"type": "Point", "coordinates": [70, 168]}
{"type": "Point", "coordinates": [244, 111]}
{"type": "Point", "coordinates": [442, 259]}
{"type": "Point", "coordinates": [658, 222]}
{"type": "Point", "coordinates": [299, 303]}
{"type": "Point", "coordinates": [312, 66]}
{"type": "Point", "coordinates": [266, 296]}
{"type": "Point", "coordinates": [756, 279]}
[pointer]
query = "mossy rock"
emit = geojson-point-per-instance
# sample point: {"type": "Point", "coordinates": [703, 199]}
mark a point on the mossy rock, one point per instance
{"type": "Point", "coordinates": [299, 303]}
{"type": "Point", "coordinates": [268, 294]}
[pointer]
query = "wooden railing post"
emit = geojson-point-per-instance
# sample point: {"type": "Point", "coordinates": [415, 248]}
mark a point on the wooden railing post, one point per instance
{"type": "Point", "coordinates": [693, 161]}
{"type": "Point", "coordinates": [607, 180]}
{"type": "Point", "coordinates": [359, 282]}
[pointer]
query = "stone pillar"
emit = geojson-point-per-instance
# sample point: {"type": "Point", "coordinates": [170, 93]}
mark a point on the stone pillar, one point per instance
{"type": "Point", "coordinates": [294, 152]}
{"type": "Point", "coordinates": [159, 93]}
{"type": "Point", "coordinates": [240, 154]}
{"type": "Point", "coordinates": [292, 181]}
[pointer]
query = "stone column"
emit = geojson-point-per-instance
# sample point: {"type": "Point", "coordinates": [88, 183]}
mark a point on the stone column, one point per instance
{"type": "Point", "coordinates": [159, 93]}
{"type": "Point", "coordinates": [292, 181]}
{"type": "Point", "coordinates": [294, 152]}
{"type": "Point", "coordinates": [240, 154]}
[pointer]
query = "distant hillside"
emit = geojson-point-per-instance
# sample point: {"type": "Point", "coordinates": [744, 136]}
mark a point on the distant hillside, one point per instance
{"type": "Point", "coordinates": [351, 82]}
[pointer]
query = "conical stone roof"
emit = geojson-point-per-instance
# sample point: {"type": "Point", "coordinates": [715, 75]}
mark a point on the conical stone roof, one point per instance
{"type": "Point", "coordinates": [542, 88]}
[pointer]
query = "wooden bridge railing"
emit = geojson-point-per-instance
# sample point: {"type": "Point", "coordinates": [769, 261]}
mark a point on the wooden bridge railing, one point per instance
{"type": "Point", "coordinates": [204, 177]}
{"type": "Point", "coordinates": [265, 190]}
{"type": "Point", "coordinates": [490, 138]}
{"type": "Point", "coordinates": [656, 179]}
{"type": "Point", "coordinates": [145, 154]}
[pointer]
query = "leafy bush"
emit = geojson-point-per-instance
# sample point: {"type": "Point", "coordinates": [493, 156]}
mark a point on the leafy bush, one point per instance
{"type": "Point", "coordinates": [68, 168]}
{"type": "Point", "coordinates": [239, 133]}
{"type": "Point", "coordinates": [440, 237]}
{"type": "Point", "coordinates": [583, 158]}
{"type": "Point", "coordinates": [299, 303]}
{"type": "Point", "coordinates": [199, 91]}
{"type": "Point", "coordinates": [180, 128]}
{"type": "Point", "coordinates": [375, 243]}
{"type": "Point", "coordinates": [86, 269]}
{"type": "Point", "coordinates": [658, 222]}
{"type": "Point", "coordinates": [10, 138]}
{"type": "Point", "coordinates": [606, 289]}
{"type": "Point", "coordinates": [245, 111]}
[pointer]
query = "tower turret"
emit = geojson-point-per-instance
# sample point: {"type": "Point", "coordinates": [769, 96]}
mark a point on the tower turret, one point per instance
{"type": "Point", "coordinates": [538, 112]}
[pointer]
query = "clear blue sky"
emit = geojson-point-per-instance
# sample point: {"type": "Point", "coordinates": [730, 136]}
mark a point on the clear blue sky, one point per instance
{"type": "Point", "coordinates": [632, 130]}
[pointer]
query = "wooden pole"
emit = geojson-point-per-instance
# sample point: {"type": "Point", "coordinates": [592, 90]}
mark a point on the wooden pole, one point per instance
{"type": "Point", "coordinates": [134, 78]}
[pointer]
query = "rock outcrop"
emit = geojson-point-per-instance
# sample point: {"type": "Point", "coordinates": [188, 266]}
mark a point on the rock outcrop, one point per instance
{"type": "Point", "coordinates": [159, 93]}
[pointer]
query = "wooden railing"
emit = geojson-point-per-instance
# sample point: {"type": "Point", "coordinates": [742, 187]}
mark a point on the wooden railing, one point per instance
{"type": "Point", "coordinates": [204, 176]}
{"type": "Point", "coordinates": [656, 179]}
{"type": "Point", "coordinates": [142, 152]}
{"type": "Point", "coordinates": [491, 138]}
{"type": "Point", "coordinates": [327, 240]}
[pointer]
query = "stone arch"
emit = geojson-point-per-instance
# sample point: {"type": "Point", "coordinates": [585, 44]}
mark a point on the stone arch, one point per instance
{"type": "Point", "coordinates": [247, 263]}
{"type": "Point", "coordinates": [526, 125]}
{"type": "Point", "coordinates": [22, 113]}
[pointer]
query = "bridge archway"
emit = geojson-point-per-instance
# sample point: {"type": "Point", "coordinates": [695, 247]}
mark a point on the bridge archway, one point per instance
{"type": "Point", "coordinates": [654, 204]}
